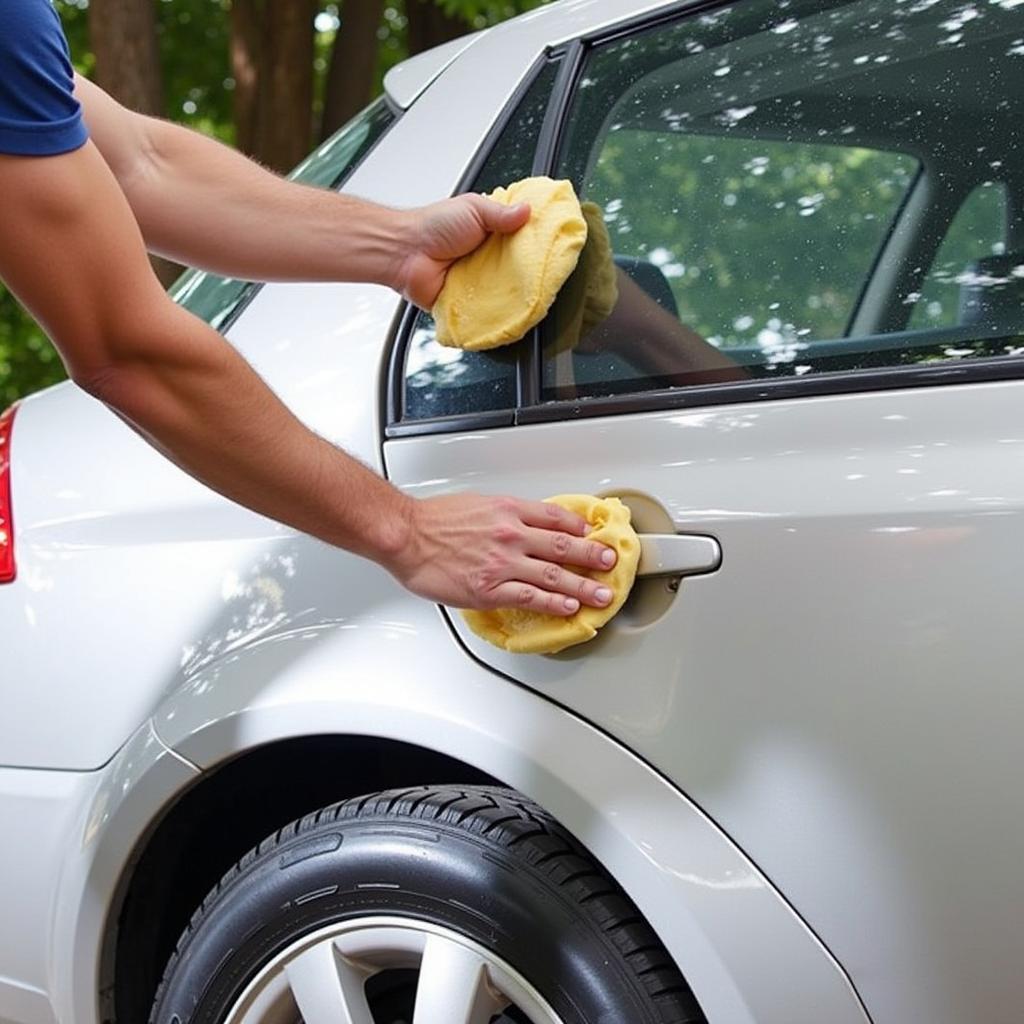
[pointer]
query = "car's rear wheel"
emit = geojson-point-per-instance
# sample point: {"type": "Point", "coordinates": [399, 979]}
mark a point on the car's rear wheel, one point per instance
{"type": "Point", "coordinates": [438, 905]}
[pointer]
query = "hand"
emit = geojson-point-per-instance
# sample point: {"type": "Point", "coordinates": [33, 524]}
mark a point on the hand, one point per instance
{"type": "Point", "coordinates": [444, 231]}
{"type": "Point", "coordinates": [470, 551]}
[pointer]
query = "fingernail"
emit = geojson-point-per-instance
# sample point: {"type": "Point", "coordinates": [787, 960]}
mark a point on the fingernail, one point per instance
{"type": "Point", "coordinates": [571, 604]}
{"type": "Point", "coordinates": [603, 594]}
{"type": "Point", "coordinates": [608, 556]}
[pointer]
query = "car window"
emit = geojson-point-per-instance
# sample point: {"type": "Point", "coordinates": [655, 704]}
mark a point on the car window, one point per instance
{"type": "Point", "coordinates": [214, 298]}
{"type": "Point", "coordinates": [770, 177]}
{"type": "Point", "coordinates": [442, 381]}
{"type": "Point", "coordinates": [977, 232]}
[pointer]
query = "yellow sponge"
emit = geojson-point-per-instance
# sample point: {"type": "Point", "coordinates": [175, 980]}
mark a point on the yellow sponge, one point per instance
{"type": "Point", "coordinates": [527, 632]}
{"type": "Point", "coordinates": [499, 291]}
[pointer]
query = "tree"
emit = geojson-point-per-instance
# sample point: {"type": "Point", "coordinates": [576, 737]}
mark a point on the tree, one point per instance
{"type": "Point", "coordinates": [246, 50]}
{"type": "Point", "coordinates": [430, 25]}
{"type": "Point", "coordinates": [123, 38]}
{"type": "Point", "coordinates": [284, 116]}
{"type": "Point", "coordinates": [350, 78]}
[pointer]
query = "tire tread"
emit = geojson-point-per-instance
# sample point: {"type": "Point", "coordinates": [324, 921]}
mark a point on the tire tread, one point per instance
{"type": "Point", "coordinates": [523, 828]}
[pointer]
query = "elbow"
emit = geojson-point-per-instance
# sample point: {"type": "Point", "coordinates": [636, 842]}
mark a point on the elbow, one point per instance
{"type": "Point", "coordinates": [119, 386]}
{"type": "Point", "coordinates": [133, 390]}
{"type": "Point", "coordinates": [99, 379]}
{"type": "Point", "coordinates": [118, 366]}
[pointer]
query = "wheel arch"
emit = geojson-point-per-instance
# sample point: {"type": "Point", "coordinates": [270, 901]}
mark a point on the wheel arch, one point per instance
{"type": "Point", "coordinates": [736, 941]}
{"type": "Point", "coordinates": [218, 818]}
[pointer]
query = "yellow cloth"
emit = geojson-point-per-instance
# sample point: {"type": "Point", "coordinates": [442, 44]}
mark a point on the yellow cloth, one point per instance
{"type": "Point", "coordinates": [494, 295]}
{"type": "Point", "coordinates": [591, 292]}
{"type": "Point", "coordinates": [527, 632]}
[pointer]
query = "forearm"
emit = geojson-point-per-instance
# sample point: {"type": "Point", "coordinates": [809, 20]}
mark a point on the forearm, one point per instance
{"type": "Point", "coordinates": [195, 399]}
{"type": "Point", "coordinates": [203, 204]}
{"type": "Point", "coordinates": [654, 339]}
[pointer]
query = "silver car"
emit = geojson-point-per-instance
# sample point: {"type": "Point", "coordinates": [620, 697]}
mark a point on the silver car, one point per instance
{"type": "Point", "coordinates": [248, 779]}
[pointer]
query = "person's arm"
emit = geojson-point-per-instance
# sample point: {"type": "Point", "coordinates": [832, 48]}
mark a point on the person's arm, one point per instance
{"type": "Point", "coordinates": [655, 341]}
{"type": "Point", "coordinates": [203, 204]}
{"type": "Point", "coordinates": [73, 254]}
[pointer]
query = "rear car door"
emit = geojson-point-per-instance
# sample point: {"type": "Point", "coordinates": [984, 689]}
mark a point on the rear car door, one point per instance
{"type": "Point", "coordinates": [812, 376]}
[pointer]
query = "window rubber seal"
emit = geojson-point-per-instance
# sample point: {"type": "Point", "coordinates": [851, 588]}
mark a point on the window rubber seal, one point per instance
{"type": "Point", "coordinates": [979, 371]}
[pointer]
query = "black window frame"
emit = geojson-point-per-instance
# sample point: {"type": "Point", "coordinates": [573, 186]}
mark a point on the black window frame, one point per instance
{"type": "Point", "coordinates": [393, 399]}
{"type": "Point", "coordinates": [530, 409]}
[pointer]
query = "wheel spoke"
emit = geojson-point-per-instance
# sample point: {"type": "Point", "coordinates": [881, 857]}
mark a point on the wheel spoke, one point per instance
{"type": "Point", "coordinates": [453, 986]}
{"type": "Point", "coordinates": [327, 988]}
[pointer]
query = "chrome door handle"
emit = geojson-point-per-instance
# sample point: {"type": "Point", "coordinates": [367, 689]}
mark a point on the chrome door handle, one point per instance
{"type": "Point", "coordinates": [677, 554]}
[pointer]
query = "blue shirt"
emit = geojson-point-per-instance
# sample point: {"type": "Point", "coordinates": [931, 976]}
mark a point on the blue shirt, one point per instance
{"type": "Point", "coordinates": [39, 115]}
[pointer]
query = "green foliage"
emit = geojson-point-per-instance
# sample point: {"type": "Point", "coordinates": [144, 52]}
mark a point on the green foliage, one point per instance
{"type": "Point", "coordinates": [194, 56]}
{"type": "Point", "coordinates": [28, 361]}
{"type": "Point", "coordinates": [976, 231]}
{"type": "Point", "coordinates": [753, 235]}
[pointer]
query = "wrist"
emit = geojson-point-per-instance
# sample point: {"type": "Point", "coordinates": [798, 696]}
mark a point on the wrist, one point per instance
{"type": "Point", "coordinates": [363, 241]}
{"type": "Point", "coordinates": [408, 228]}
{"type": "Point", "coordinates": [395, 547]}
{"type": "Point", "coordinates": [404, 230]}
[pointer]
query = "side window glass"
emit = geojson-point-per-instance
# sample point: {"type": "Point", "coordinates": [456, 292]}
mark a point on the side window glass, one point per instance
{"type": "Point", "coordinates": [214, 298]}
{"type": "Point", "coordinates": [442, 381]}
{"type": "Point", "coordinates": [750, 171]}
{"type": "Point", "coordinates": [973, 251]}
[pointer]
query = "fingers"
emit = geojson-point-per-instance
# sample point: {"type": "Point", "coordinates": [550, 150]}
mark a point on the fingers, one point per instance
{"type": "Point", "coordinates": [548, 516]}
{"type": "Point", "coordinates": [566, 550]}
{"type": "Point", "coordinates": [531, 598]}
{"type": "Point", "coordinates": [550, 542]}
{"type": "Point", "coordinates": [499, 217]}
{"type": "Point", "coordinates": [556, 580]}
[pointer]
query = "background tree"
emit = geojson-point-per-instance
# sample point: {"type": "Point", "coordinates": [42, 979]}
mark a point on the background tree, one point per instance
{"type": "Point", "coordinates": [351, 75]}
{"type": "Point", "coordinates": [123, 38]}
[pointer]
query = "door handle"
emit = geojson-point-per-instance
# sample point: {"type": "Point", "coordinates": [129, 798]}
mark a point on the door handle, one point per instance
{"type": "Point", "coordinates": [677, 554]}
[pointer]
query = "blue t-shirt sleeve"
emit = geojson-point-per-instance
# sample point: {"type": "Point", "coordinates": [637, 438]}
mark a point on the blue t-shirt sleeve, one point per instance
{"type": "Point", "coordinates": [39, 115]}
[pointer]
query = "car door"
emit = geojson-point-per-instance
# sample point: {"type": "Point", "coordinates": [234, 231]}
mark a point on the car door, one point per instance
{"type": "Point", "coordinates": [811, 382]}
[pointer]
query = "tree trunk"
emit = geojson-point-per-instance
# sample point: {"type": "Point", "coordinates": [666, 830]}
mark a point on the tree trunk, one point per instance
{"type": "Point", "coordinates": [284, 123]}
{"type": "Point", "coordinates": [246, 57]}
{"type": "Point", "coordinates": [353, 62]}
{"type": "Point", "coordinates": [123, 38]}
{"type": "Point", "coordinates": [430, 26]}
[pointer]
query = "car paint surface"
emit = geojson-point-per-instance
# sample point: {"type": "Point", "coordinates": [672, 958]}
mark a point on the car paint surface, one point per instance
{"type": "Point", "coordinates": [842, 695]}
{"type": "Point", "coordinates": [793, 783]}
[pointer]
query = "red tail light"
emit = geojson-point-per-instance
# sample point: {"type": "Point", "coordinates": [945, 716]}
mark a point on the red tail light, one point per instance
{"type": "Point", "coordinates": [7, 567]}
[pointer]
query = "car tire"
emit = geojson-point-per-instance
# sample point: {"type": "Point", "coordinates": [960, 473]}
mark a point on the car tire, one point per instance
{"type": "Point", "coordinates": [479, 863]}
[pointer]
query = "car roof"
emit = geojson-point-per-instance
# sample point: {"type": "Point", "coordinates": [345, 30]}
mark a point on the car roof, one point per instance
{"type": "Point", "coordinates": [546, 26]}
{"type": "Point", "coordinates": [405, 81]}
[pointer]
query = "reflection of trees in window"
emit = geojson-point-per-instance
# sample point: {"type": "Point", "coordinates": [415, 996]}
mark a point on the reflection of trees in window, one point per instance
{"type": "Point", "coordinates": [762, 242]}
{"type": "Point", "coordinates": [757, 158]}
{"type": "Point", "coordinates": [978, 230]}
{"type": "Point", "coordinates": [441, 381]}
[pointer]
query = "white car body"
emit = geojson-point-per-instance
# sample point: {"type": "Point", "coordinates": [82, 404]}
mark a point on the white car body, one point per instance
{"type": "Point", "coordinates": [820, 821]}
